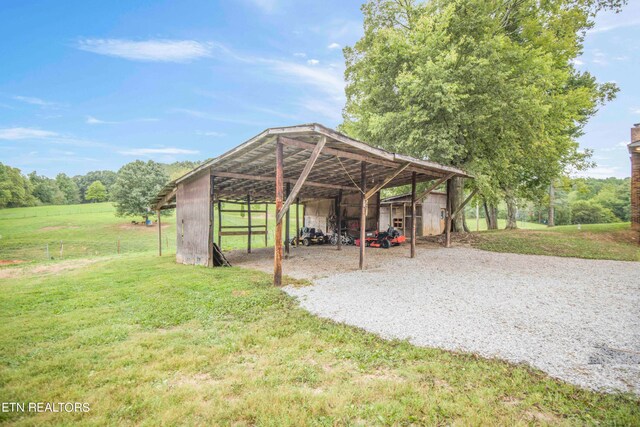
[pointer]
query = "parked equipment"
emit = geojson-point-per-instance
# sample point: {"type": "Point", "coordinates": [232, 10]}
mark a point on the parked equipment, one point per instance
{"type": "Point", "coordinates": [383, 239]}
{"type": "Point", "coordinates": [309, 236]}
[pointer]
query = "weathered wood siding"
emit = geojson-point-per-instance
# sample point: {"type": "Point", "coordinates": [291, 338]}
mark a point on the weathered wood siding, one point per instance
{"type": "Point", "coordinates": [635, 180]}
{"type": "Point", "coordinates": [433, 220]}
{"type": "Point", "coordinates": [192, 221]}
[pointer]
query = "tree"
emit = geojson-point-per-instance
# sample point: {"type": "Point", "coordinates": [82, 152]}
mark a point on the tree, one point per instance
{"type": "Point", "coordinates": [15, 188]}
{"type": "Point", "coordinates": [590, 212]}
{"type": "Point", "coordinates": [69, 188]}
{"type": "Point", "coordinates": [486, 85]}
{"type": "Point", "coordinates": [136, 185]}
{"type": "Point", "coordinates": [96, 192]}
{"type": "Point", "coordinates": [46, 190]}
{"type": "Point", "coordinates": [106, 177]}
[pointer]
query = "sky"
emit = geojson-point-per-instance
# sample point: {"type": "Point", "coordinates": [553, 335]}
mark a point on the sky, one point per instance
{"type": "Point", "coordinates": [92, 85]}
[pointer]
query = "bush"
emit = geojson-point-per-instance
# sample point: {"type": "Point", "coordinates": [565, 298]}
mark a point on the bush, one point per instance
{"type": "Point", "coordinates": [589, 212]}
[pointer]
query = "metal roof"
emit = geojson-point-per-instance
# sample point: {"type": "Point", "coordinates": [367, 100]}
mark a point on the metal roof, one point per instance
{"type": "Point", "coordinates": [250, 167]}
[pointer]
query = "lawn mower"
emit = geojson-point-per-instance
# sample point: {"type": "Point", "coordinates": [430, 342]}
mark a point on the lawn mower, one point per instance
{"type": "Point", "coordinates": [383, 239]}
{"type": "Point", "coordinates": [309, 236]}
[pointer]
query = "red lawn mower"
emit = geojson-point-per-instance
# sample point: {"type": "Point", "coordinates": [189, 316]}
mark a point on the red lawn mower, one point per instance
{"type": "Point", "coordinates": [383, 239]}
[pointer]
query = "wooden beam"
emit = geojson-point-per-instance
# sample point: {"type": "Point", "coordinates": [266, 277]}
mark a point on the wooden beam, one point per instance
{"type": "Point", "coordinates": [248, 177]}
{"type": "Point", "coordinates": [302, 178]}
{"type": "Point", "coordinates": [462, 205]}
{"type": "Point", "coordinates": [266, 224]}
{"type": "Point", "coordinates": [363, 212]}
{"type": "Point", "coordinates": [277, 256]}
{"type": "Point", "coordinates": [447, 230]}
{"type": "Point", "coordinates": [413, 215]}
{"type": "Point", "coordinates": [298, 221]}
{"type": "Point", "coordinates": [387, 180]}
{"type": "Point", "coordinates": [434, 186]}
{"type": "Point", "coordinates": [166, 198]}
{"type": "Point", "coordinates": [211, 220]}
{"type": "Point", "coordinates": [339, 219]}
{"type": "Point", "coordinates": [159, 234]}
{"type": "Point", "coordinates": [249, 223]}
{"type": "Point", "coordinates": [417, 167]}
{"type": "Point", "coordinates": [287, 225]}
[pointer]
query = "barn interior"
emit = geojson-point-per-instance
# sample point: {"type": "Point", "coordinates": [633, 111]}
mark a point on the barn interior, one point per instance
{"type": "Point", "coordinates": [335, 178]}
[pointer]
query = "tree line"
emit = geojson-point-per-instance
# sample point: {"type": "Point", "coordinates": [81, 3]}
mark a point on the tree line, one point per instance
{"type": "Point", "coordinates": [131, 188]}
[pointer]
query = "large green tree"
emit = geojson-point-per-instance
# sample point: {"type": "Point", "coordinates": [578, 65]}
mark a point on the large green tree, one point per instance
{"type": "Point", "coordinates": [106, 177]}
{"type": "Point", "coordinates": [15, 188]}
{"type": "Point", "coordinates": [69, 188]}
{"type": "Point", "coordinates": [46, 190]}
{"type": "Point", "coordinates": [136, 185]}
{"type": "Point", "coordinates": [96, 192]}
{"type": "Point", "coordinates": [486, 85]}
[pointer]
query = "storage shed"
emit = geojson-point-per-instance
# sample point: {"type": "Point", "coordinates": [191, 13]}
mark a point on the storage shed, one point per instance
{"type": "Point", "coordinates": [431, 212]}
{"type": "Point", "coordinates": [308, 164]}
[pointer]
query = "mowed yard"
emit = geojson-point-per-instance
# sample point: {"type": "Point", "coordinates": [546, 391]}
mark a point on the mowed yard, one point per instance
{"type": "Point", "coordinates": [146, 341]}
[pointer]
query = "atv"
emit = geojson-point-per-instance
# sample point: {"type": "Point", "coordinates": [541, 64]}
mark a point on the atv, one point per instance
{"type": "Point", "coordinates": [309, 236]}
{"type": "Point", "coordinates": [383, 239]}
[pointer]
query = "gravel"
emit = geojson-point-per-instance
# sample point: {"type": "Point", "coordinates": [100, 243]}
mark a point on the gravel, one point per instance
{"type": "Point", "coordinates": [578, 320]}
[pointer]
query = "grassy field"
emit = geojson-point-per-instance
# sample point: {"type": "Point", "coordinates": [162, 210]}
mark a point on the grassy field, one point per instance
{"type": "Point", "coordinates": [93, 230]}
{"type": "Point", "coordinates": [146, 341]}
{"type": "Point", "coordinates": [594, 241]}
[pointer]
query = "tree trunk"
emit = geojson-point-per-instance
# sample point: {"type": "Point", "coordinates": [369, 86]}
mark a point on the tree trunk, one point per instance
{"type": "Point", "coordinates": [552, 213]}
{"type": "Point", "coordinates": [455, 190]}
{"type": "Point", "coordinates": [491, 215]}
{"type": "Point", "coordinates": [512, 221]}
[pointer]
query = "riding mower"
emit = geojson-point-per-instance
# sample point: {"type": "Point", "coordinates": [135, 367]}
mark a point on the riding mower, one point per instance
{"type": "Point", "coordinates": [309, 236]}
{"type": "Point", "coordinates": [383, 239]}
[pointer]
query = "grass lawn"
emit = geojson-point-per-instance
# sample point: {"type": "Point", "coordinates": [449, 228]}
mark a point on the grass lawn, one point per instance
{"type": "Point", "coordinates": [91, 230]}
{"type": "Point", "coordinates": [146, 341]}
{"type": "Point", "coordinates": [595, 241]}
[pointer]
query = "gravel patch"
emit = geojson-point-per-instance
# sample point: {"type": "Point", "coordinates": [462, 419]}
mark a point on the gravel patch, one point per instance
{"type": "Point", "coordinates": [578, 320]}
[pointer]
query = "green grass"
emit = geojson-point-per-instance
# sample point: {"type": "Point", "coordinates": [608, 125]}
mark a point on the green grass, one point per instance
{"type": "Point", "coordinates": [145, 341]}
{"type": "Point", "coordinates": [91, 230]}
{"type": "Point", "coordinates": [471, 223]}
{"type": "Point", "coordinates": [594, 241]}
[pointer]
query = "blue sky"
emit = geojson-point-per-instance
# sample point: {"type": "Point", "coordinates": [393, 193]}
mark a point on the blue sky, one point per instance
{"type": "Point", "coordinates": [93, 85]}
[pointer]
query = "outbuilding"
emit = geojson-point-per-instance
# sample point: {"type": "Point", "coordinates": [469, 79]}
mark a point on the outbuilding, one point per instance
{"type": "Point", "coordinates": [311, 165]}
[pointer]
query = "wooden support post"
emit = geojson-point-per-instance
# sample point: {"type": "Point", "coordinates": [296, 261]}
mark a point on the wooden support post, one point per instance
{"type": "Point", "coordinates": [447, 230]}
{"type": "Point", "coordinates": [277, 256]}
{"type": "Point", "coordinates": [159, 234]}
{"type": "Point", "coordinates": [302, 178]}
{"type": "Point", "coordinates": [249, 223]}
{"type": "Point", "coordinates": [413, 215]}
{"type": "Point", "coordinates": [339, 219]}
{"type": "Point", "coordinates": [378, 211]}
{"type": "Point", "coordinates": [219, 224]}
{"type": "Point", "coordinates": [287, 219]}
{"type": "Point", "coordinates": [266, 224]}
{"type": "Point", "coordinates": [212, 216]}
{"type": "Point", "coordinates": [391, 214]}
{"type": "Point", "coordinates": [363, 212]}
{"type": "Point", "coordinates": [297, 221]}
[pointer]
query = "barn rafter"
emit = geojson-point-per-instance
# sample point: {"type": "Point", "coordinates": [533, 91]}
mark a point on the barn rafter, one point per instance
{"type": "Point", "coordinates": [314, 162]}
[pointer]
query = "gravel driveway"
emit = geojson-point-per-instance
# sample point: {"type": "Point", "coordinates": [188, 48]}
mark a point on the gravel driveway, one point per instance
{"type": "Point", "coordinates": [578, 320]}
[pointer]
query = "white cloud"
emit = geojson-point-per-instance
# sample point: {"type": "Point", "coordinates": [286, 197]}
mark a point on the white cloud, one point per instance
{"type": "Point", "coordinates": [313, 62]}
{"type": "Point", "coordinates": [152, 151]}
{"type": "Point", "coordinates": [602, 172]}
{"type": "Point", "coordinates": [14, 134]}
{"type": "Point", "coordinates": [158, 50]}
{"type": "Point", "coordinates": [217, 118]}
{"type": "Point", "coordinates": [94, 121]}
{"type": "Point", "coordinates": [606, 27]}
{"type": "Point", "coordinates": [300, 54]}
{"type": "Point", "coordinates": [635, 110]}
{"type": "Point", "coordinates": [266, 5]}
{"type": "Point", "coordinates": [334, 46]}
{"type": "Point", "coordinates": [577, 62]}
{"type": "Point", "coordinates": [330, 110]}
{"type": "Point", "coordinates": [622, 145]}
{"type": "Point", "coordinates": [35, 101]}
{"type": "Point", "coordinates": [211, 133]}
